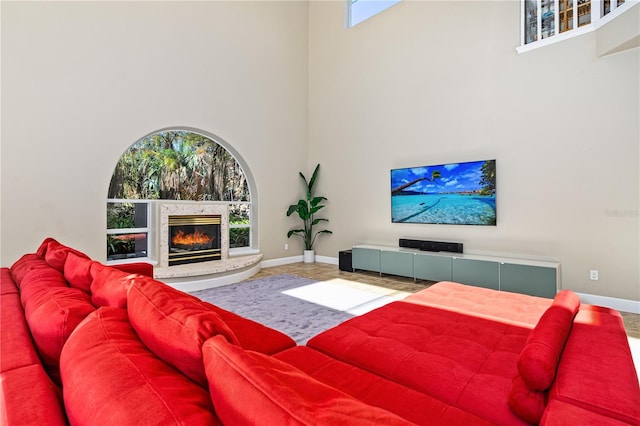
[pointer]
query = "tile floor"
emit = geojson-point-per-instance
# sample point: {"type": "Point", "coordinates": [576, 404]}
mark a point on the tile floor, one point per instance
{"type": "Point", "coordinates": [323, 271]}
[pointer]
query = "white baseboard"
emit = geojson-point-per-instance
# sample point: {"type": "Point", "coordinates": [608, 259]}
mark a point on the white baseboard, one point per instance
{"type": "Point", "coordinates": [326, 259]}
{"type": "Point", "coordinates": [297, 259]}
{"type": "Point", "coordinates": [625, 305]}
{"type": "Point", "coordinates": [282, 261]}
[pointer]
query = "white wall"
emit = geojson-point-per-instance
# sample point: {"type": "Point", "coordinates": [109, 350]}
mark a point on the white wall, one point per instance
{"type": "Point", "coordinates": [82, 81]}
{"type": "Point", "coordinates": [430, 82]}
{"type": "Point", "coordinates": [426, 82]}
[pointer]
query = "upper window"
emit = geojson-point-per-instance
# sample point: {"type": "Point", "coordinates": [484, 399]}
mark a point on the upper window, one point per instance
{"type": "Point", "coordinates": [173, 165]}
{"type": "Point", "coordinates": [548, 19]}
{"type": "Point", "coordinates": [359, 10]}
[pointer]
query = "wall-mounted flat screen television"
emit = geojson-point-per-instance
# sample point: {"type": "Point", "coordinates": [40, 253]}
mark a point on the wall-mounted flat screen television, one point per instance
{"type": "Point", "coordinates": [456, 193]}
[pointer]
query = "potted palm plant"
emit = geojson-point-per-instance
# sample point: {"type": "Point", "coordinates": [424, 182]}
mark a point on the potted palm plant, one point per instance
{"type": "Point", "coordinates": [306, 208]}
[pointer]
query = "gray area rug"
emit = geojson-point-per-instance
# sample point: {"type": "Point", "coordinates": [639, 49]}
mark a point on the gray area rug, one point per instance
{"type": "Point", "coordinates": [262, 300]}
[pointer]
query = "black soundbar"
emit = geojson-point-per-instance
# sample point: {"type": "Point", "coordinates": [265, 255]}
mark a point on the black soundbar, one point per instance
{"type": "Point", "coordinates": [425, 245]}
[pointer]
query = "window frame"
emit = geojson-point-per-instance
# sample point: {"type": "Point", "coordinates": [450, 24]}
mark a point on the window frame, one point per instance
{"type": "Point", "coordinates": [125, 231]}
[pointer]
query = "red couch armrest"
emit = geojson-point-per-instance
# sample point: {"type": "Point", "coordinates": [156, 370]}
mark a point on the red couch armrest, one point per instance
{"type": "Point", "coordinates": [142, 268]}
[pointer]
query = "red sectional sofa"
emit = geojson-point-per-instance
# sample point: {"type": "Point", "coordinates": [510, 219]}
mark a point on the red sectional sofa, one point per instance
{"type": "Point", "coordinates": [87, 344]}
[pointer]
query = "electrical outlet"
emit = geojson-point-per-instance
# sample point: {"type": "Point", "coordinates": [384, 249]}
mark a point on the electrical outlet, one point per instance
{"type": "Point", "coordinates": [593, 275]}
{"type": "Point", "coordinates": [286, 246]}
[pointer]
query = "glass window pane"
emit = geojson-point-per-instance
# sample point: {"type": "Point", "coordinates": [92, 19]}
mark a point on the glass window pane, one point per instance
{"type": "Point", "coordinates": [530, 21]}
{"type": "Point", "coordinates": [178, 165]}
{"type": "Point", "coordinates": [239, 225]}
{"type": "Point", "coordinates": [359, 10]}
{"type": "Point", "coordinates": [126, 215]}
{"type": "Point", "coordinates": [584, 12]}
{"type": "Point", "coordinates": [548, 19]}
{"type": "Point", "coordinates": [126, 246]}
{"type": "Point", "coordinates": [239, 214]}
{"type": "Point", "coordinates": [239, 237]}
{"type": "Point", "coordinates": [566, 15]}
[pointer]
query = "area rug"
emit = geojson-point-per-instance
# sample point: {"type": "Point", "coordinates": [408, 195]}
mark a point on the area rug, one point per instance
{"type": "Point", "coordinates": [351, 297]}
{"type": "Point", "coordinates": [263, 300]}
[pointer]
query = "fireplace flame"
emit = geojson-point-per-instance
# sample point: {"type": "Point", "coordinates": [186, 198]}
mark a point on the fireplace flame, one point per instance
{"type": "Point", "coordinates": [196, 237]}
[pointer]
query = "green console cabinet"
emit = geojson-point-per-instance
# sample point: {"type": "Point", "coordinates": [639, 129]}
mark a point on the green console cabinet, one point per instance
{"type": "Point", "coordinates": [529, 279]}
{"type": "Point", "coordinates": [432, 267]}
{"type": "Point", "coordinates": [518, 275]}
{"type": "Point", "coordinates": [367, 259]}
{"type": "Point", "coordinates": [397, 263]}
{"type": "Point", "coordinates": [481, 273]}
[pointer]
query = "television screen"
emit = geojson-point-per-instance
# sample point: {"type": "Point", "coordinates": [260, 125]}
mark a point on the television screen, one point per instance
{"type": "Point", "coordinates": [456, 193]}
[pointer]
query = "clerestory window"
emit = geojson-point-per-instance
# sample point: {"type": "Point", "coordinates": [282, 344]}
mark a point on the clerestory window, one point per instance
{"type": "Point", "coordinates": [556, 19]}
{"type": "Point", "coordinates": [360, 10]}
{"type": "Point", "coordinates": [174, 165]}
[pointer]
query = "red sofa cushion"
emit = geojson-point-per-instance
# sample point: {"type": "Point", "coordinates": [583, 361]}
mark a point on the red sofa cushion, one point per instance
{"type": "Point", "coordinates": [56, 254]}
{"type": "Point", "coordinates": [539, 358]}
{"type": "Point", "coordinates": [463, 360]}
{"type": "Point", "coordinates": [527, 403]}
{"type": "Point", "coordinates": [26, 264]}
{"type": "Point", "coordinates": [249, 387]}
{"type": "Point", "coordinates": [141, 268]}
{"type": "Point", "coordinates": [42, 248]}
{"type": "Point", "coordinates": [371, 389]}
{"type": "Point", "coordinates": [110, 286]}
{"type": "Point", "coordinates": [28, 397]}
{"type": "Point", "coordinates": [52, 314]}
{"type": "Point", "coordinates": [77, 272]}
{"type": "Point", "coordinates": [174, 325]}
{"type": "Point", "coordinates": [252, 335]}
{"type": "Point", "coordinates": [38, 278]}
{"type": "Point", "coordinates": [504, 306]}
{"type": "Point", "coordinates": [110, 377]}
{"type": "Point", "coordinates": [15, 339]}
{"type": "Point", "coordinates": [7, 285]}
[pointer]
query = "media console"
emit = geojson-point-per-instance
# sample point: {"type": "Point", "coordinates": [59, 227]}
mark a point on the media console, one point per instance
{"type": "Point", "coordinates": [527, 276]}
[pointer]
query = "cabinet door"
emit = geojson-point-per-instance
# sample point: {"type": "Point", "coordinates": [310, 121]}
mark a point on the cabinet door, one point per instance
{"type": "Point", "coordinates": [433, 268]}
{"type": "Point", "coordinates": [366, 259]}
{"type": "Point", "coordinates": [481, 273]}
{"type": "Point", "coordinates": [396, 263]}
{"type": "Point", "coordinates": [533, 280]}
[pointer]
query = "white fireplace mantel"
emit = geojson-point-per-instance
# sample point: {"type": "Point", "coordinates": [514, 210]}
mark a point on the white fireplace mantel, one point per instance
{"type": "Point", "coordinates": [183, 209]}
{"type": "Point", "coordinates": [226, 268]}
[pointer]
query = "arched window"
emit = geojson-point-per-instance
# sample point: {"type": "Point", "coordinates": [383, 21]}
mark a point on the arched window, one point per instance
{"type": "Point", "coordinates": [174, 164]}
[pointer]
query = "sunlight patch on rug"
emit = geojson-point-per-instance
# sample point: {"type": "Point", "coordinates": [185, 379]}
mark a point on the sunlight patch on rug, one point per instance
{"type": "Point", "coordinates": [348, 296]}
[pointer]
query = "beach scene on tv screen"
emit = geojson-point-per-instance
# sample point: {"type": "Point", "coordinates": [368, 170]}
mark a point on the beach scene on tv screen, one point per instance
{"type": "Point", "coordinates": [456, 193]}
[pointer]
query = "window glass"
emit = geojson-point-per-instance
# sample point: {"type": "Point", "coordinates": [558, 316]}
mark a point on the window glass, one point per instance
{"type": "Point", "coordinates": [178, 165]}
{"type": "Point", "coordinates": [239, 225]}
{"type": "Point", "coordinates": [359, 10]}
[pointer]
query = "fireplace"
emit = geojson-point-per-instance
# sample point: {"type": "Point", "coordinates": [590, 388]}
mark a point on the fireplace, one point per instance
{"type": "Point", "coordinates": [186, 260]}
{"type": "Point", "coordinates": [194, 238]}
